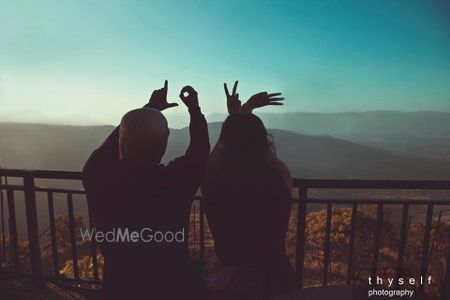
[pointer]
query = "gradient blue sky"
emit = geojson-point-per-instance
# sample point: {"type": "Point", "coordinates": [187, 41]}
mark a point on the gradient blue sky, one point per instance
{"type": "Point", "coordinates": [90, 61]}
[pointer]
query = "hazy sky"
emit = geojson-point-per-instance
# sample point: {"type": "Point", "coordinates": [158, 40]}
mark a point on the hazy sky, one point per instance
{"type": "Point", "coordinates": [91, 61]}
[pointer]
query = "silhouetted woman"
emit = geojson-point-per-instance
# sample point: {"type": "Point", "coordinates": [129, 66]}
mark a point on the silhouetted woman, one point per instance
{"type": "Point", "coordinates": [248, 200]}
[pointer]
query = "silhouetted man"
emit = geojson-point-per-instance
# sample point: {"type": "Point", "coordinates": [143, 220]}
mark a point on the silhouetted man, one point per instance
{"type": "Point", "coordinates": [129, 189]}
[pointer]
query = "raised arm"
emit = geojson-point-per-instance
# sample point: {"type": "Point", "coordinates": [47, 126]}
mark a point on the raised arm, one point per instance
{"type": "Point", "coordinates": [192, 164]}
{"type": "Point", "coordinates": [198, 128]}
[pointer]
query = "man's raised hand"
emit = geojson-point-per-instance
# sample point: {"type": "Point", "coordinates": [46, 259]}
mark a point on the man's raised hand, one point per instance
{"type": "Point", "coordinates": [260, 100]}
{"type": "Point", "coordinates": [189, 96]}
{"type": "Point", "coordinates": [233, 102]}
{"type": "Point", "coordinates": [158, 99]}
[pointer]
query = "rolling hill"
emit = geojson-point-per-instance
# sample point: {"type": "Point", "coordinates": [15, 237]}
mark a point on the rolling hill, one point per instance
{"type": "Point", "coordinates": [57, 147]}
{"type": "Point", "coordinates": [415, 134]}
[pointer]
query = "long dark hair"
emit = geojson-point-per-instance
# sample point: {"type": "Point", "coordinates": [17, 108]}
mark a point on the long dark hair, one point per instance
{"type": "Point", "coordinates": [245, 140]}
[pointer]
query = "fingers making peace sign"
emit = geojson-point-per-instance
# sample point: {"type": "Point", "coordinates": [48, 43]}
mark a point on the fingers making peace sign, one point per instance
{"type": "Point", "coordinates": [258, 100]}
{"type": "Point", "coordinates": [233, 102]}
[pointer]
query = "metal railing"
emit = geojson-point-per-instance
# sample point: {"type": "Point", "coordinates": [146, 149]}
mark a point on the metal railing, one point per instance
{"type": "Point", "coordinates": [29, 188]}
{"type": "Point", "coordinates": [304, 185]}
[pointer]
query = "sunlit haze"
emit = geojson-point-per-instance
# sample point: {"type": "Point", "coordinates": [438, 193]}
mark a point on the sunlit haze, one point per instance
{"type": "Point", "coordinates": [88, 62]}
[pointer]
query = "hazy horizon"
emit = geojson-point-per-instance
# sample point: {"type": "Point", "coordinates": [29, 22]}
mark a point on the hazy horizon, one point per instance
{"type": "Point", "coordinates": [175, 119]}
{"type": "Point", "coordinates": [90, 62]}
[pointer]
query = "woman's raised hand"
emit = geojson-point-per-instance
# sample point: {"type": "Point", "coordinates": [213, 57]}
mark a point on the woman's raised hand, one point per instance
{"type": "Point", "coordinates": [260, 100]}
{"type": "Point", "coordinates": [233, 102]}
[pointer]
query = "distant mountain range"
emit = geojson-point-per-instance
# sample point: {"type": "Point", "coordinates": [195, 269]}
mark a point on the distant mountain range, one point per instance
{"type": "Point", "coordinates": [67, 148]}
{"type": "Point", "coordinates": [414, 134]}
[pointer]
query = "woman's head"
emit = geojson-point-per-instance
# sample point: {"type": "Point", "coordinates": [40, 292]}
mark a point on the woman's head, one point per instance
{"type": "Point", "coordinates": [245, 139]}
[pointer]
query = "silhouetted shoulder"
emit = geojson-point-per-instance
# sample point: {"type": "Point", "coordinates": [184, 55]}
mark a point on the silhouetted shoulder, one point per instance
{"type": "Point", "coordinates": [283, 170]}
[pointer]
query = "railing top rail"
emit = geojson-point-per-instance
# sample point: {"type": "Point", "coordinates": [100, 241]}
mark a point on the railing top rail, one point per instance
{"type": "Point", "coordinates": [372, 184]}
{"type": "Point", "coordinates": [300, 183]}
{"type": "Point", "coordinates": [44, 174]}
{"type": "Point", "coordinates": [389, 201]}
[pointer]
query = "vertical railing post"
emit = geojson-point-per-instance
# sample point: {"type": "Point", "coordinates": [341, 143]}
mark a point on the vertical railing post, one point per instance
{"type": "Point", "coordinates": [377, 242]}
{"type": "Point", "coordinates": [93, 244]}
{"type": "Point", "coordinates": [13, 238]}
{"type": "Point", "coordinates": [301, 231]}
{"type": "Point", "coordinates": [447, 278]}
{"type": "Point", "coordinates": [32, 226]}
{"type": "Point", "coordinates": [2, 223]}
{"type": "Point", "coordinates": [326, 243]}
{"type": "Point", "coordinates": [403, 239]}
{"type": "Point", "coordinates": [73, 237]}
{"type": "Point", "coordinates": [426, 245]}
{"type": "Point", "coordinates": [202, 231]}
{"type": "Point", "coordinates": [51, 218]}
{"type": "Point", "coordinates": [352, 243]}
{"type": "Point", "coordinates": [2, 208]}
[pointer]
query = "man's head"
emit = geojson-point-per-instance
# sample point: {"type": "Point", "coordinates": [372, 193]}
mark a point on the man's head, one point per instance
{"type": "Point", "coordinates": [143, 136]}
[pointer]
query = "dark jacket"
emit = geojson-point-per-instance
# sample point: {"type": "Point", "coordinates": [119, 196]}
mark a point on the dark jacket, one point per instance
{"type": "Point", "coordinates": [136, 196]}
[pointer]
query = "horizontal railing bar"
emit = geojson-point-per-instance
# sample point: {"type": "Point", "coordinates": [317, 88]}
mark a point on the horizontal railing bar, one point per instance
{"type": "Point", "coordinates": [61, 279]}
{"type": "Point", "coordinates": [302, 183]}
{"type": "Point", "coordinates": [59, 190]}
{"type": "Point", "coordinates": [372, 184]}
{"type": "Point", "coordinates": [14, 187]}
{"type": "Point", "coordinates": [443, 202]}
{"type": "Point", "coordinates": [73, 280]}
{"type": "Point", "coordinates": [43, 189]}
{"type": "Point", "coordinates": [394, 201]}
{"type": "Point", "coordinates": [47, 174]}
